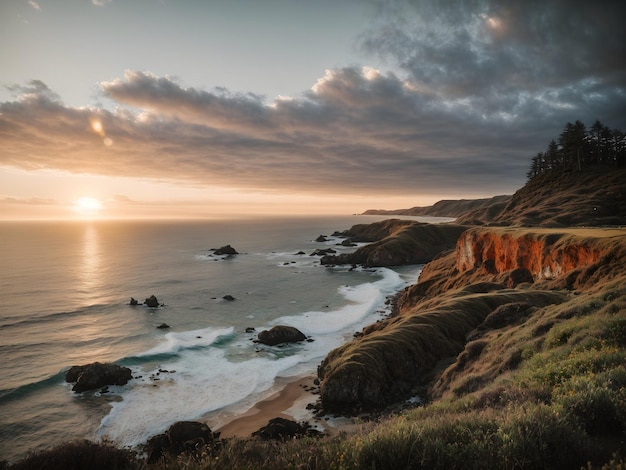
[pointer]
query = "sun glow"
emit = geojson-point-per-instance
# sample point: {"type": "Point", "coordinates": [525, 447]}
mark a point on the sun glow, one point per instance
{"type": "Point", "coordinates": [88, 206]}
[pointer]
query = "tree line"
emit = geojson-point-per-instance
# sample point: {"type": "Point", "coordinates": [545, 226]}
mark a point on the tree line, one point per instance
{"type": "Point", "coordinates": [578, 147]}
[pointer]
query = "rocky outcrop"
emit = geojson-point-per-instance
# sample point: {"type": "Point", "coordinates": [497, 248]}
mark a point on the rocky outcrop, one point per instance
{"type": "Point", "coordinates": [544, 254]}
{"type": "Point", "coordinates": [151, 302]}
{"type": "Point", "coordinates": [225, 250]}
{"type": "Point", "coordinates": [282, 429]}
{"type": "Point", "coordinates": [97, 375]}
{"type": "Point", "coordinates": [403, 242]}
{"type": "Point", "coordinates": [281, 334]}
{"type": "Point", "coordinates": [323, 252]}
{"type": "Point", "coordinates": [182, 436]}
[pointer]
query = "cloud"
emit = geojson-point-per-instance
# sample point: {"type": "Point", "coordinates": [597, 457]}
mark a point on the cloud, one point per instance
{"type": "Point", "coordinates": [31, 201]}
{"type": "Point", "coordinates": [480, 88]}
{"type": "Point", "coordinates": [100, 3]}
{"type": "Point", "coordinates": [493, 53]}
{"type": "Point", "coordinates": [34, 4]}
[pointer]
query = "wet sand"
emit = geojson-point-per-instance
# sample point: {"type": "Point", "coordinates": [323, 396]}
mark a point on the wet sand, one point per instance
{"type": "Point", "coordinates": [289, 401]}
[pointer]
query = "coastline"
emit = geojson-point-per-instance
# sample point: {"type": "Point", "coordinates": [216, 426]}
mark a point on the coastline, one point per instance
{"type": "Point", "coordinates": [288, 402]}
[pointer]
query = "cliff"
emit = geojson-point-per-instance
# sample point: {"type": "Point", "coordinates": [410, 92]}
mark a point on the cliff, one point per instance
{"type": "Point", "coordinates": [564, 198]}
{"type": "Point", "coordinates": [463, 294]}
{"type": "Point", "coordinates": [448, 208]}
{"type": "Point", "coordinates": [397, 242]}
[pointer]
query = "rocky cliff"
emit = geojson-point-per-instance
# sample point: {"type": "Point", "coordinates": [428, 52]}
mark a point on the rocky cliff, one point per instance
{"type": "Point", "coordinates": [460, 294]}
{"type": "Point", "coordinates": [544, 254]}
{"type": "Point", "coordinates": [397, 242]}
{"type": "Point", "coordinates": [448, 207]}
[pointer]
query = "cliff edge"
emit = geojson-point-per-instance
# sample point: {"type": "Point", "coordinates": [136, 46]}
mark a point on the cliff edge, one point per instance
{"type": "Point", "coordinates": [494, 275]}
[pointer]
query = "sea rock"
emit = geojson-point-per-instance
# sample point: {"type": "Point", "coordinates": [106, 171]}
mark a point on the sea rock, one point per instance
{"type": "Point", "coordinates": [133, 301]}
{"type": "Point", "coordinates": [281, 334]}
{"type": "Point", "coordinates": [151, 301]}
{"type": "Point", "coordinates": [323, 252]}
{"type": "Point", "coordinates": [321, 238]}
{"type": "Point", "coordinates": [182, 436]}
{"type": "Point", "coordinates": [97, 375]}
{"type": "Point", "coordinates": [163, 326]}
{"type": "Point", "coordinates": [228, 297]}
{"type": "Point", "coordinates": [225, 250]}
{"type": "Point", "coordinates": [348, 242]}
{"type": "Point", "coordinates": [284, 429]}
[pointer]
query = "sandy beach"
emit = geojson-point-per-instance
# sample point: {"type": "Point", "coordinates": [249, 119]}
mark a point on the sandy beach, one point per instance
{"type": "Point", "coordinates": [289, 402]}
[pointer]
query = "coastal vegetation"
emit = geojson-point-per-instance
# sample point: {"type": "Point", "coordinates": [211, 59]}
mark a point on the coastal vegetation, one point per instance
{"type": "Point", "coordinates": [578, 147]}
{"type": "Point", "coordinates": [514, 338]}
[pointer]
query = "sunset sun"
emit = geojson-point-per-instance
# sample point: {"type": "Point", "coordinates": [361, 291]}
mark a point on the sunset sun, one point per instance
{"type": "Point", "coordinates": [88, 206]}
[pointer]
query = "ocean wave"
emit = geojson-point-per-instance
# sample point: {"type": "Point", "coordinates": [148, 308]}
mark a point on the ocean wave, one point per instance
{"type": "Point", "coordinates": [200, 372]}
{"type": "Point", "coordinates": [38, 319]}
{"type": "Point", "coordinates": [176, 342]}
{"type": "Point", "coordinates": [186, 389]}
{"type": "Point", "coordinates": [8, 394]}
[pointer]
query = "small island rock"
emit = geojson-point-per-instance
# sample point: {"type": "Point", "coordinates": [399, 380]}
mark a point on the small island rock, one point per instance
{"type": "Point", "coordinates": [151, 302]}
{"type": "Point", "coordinates": [281, 334]}
{"type": "Point", "coordinates": [225, 250]}
{"type": "Point", "coordinates": [97, 375]}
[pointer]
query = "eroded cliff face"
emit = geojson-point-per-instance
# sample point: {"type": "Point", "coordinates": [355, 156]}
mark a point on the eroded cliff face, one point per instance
{"type": "Point", "coordinates": [496, 273]}
{"type": "Point", "coordinates": [545, 254]}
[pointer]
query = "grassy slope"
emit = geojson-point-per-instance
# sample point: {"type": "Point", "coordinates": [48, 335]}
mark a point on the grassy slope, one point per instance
{"type": "Point", "coordinates": [596, 196]}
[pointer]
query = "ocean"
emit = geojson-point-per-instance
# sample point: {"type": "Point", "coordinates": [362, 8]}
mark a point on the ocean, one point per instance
{"type": "Point", "coordinates": [65, 289]}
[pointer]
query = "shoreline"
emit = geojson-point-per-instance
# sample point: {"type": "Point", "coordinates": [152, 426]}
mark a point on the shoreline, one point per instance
{"type": "Point", "coordinates": [288, 402]}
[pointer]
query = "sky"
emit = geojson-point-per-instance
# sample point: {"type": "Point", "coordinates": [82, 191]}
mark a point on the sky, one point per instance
{"type": "Point", "coordinates": [188, 108]}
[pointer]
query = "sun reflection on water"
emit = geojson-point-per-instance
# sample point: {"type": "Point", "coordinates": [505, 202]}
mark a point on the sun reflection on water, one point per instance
{"type": "Point", "coordinates": [90, 271]}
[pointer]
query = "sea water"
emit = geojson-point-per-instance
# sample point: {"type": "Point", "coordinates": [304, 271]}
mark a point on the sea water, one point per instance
{"type": "Point", "coordinates": [65, 289]}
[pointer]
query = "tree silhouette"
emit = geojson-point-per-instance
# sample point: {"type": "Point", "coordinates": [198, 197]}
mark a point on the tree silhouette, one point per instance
{"type": "Point", "coordinates": [578, 148]}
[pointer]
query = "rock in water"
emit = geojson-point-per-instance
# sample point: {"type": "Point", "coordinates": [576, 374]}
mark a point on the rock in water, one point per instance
{"type": "Point", "coordinates": [97, 375]}
{"type": "Point", "coordinates": [281, 334]}
{"type": "Point", "coordinates": [151, 301]}
{"type": "Point", "coordinates": [226, 250]}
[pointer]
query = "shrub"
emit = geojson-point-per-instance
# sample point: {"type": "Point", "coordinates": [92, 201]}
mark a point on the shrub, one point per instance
{"type": "Point", "coordinates": [79, 455]}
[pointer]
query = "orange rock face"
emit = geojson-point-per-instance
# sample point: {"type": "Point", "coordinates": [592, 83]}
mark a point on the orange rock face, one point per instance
{"type": "Point", "coordinates": [547, 255]}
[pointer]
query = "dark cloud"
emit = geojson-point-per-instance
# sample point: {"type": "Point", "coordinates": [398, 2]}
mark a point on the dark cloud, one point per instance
{"type": "Point", "coordinates": [484, 86]}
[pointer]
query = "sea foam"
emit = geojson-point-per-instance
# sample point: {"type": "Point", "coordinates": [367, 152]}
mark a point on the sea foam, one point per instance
{"type": "Point", "coordinates": [207, 370]}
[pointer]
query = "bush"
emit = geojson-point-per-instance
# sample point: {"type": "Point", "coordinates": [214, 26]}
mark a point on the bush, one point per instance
{"type": "Point", "coordinates": [79, 455]}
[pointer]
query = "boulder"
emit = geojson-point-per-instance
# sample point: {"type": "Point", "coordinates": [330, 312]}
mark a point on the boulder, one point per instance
{"type": "Point", "coordinates": [323, 252]}
{"type": "Point", "coordinates": [182, 436]}
{"type": "Point", "coordinates": [225, 250]}
{"type": "Point", "coordinates": [284, 429]}
{"type": "Point", "coordinates": [281, 334]}
{"type": "Point", "coordinates": [151, 301]}
{"type": "Point", "coordinates": [97, 375]}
